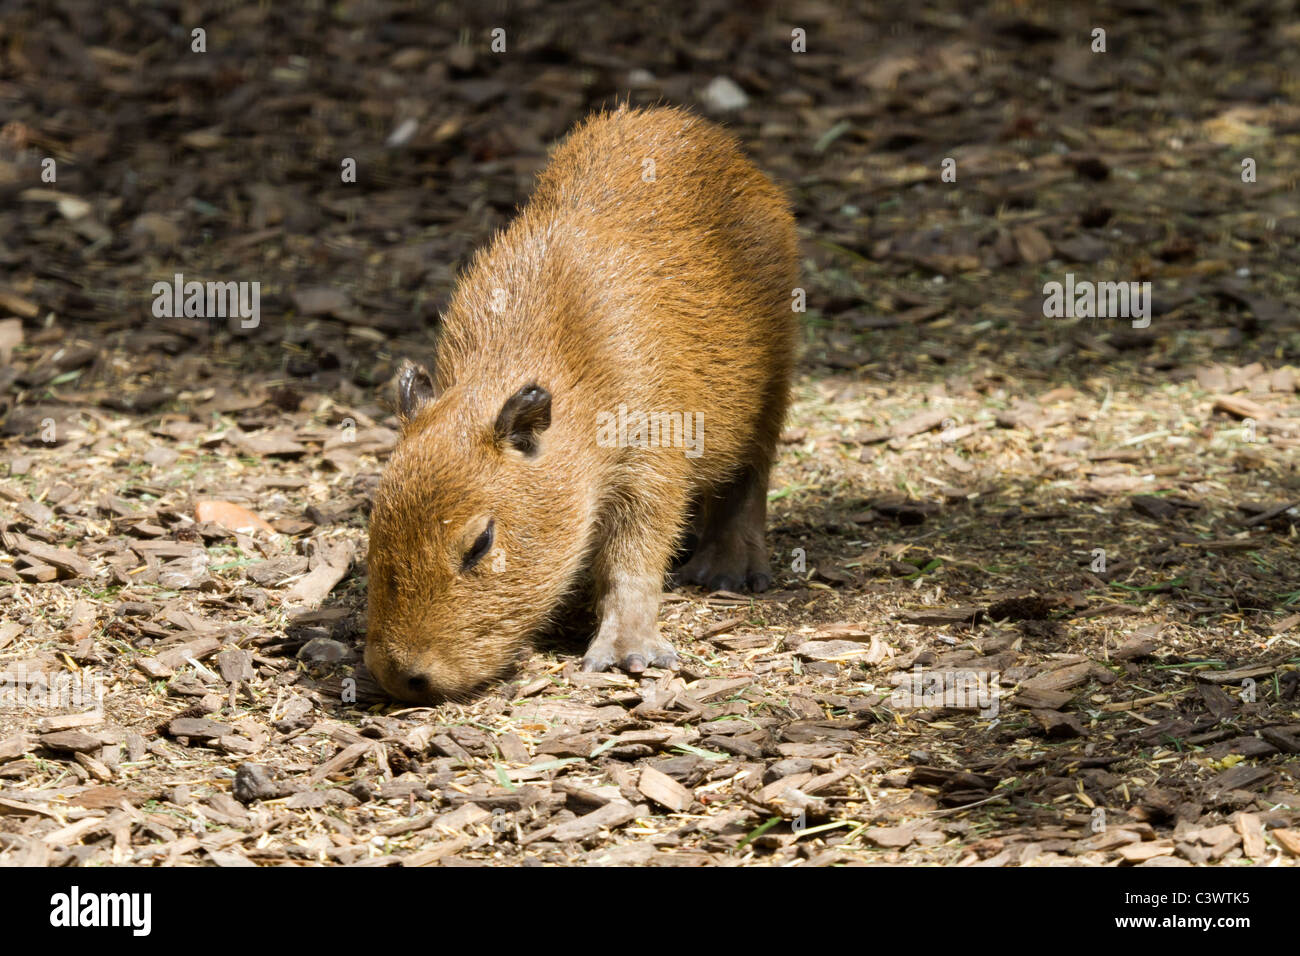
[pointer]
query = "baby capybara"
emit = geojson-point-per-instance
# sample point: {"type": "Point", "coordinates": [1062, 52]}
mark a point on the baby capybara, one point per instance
{"type": "Point", "coordinates": [612, 372]}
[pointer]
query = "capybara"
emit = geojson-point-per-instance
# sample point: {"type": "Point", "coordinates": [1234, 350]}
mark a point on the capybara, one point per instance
{"type": "Point", "coordinates": [611, 376]}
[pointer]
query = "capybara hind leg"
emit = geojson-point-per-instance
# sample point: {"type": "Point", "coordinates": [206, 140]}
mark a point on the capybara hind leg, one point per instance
{"type": "Point", "coordinates": [732, 551]}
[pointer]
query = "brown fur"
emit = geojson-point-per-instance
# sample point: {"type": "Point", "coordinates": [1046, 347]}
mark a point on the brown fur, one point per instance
{"type": "Point", "coordinates": [665, 296]}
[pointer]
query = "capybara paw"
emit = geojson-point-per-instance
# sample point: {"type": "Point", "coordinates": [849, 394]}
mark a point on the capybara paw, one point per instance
{"type": "Point", "coordinates": [724, 572]}
{"type": "Point", "coordinates": [724, 581]}
{"type": "Point", "coordinates": [713, 571]}
{"type": "Point", "coordinates": [594, 661]}
{"type": "Point", "coordinates": [632, 655]}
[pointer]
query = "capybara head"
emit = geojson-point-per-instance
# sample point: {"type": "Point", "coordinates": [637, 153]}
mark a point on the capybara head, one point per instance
{"type": "Point", "coordinates": [472, 536]}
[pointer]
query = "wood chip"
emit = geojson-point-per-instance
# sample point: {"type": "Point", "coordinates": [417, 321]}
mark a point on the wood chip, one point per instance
{"type": "Point", "coordinates": [1252, 835]}
{"type": "Point", "coordinates": [1042, 699]}
{"type": "Point", "coordinates": [16, 745]}
{"type": "Point", "coordinates": [1268, 514]}
{"type": "Point", "coordinates": [63, 559]}
{"type": "Point", "coordinates": [833, 651]}
{"type": "Point", "coordinates": [1236, 675]}
{"type": "Point", "coordinates": [891, 837]}
{"type": "Point", "coordinates": [334, 559]}
{"type": "Point", "coordinates": [1059, 725]}
{"type": "Point", "coordinates": [1219, 704]}
{"type": "Point", "coordinates": [942, 616]}
{"type": "Point", "coordinates": [17, 305]}
{"type": "Point", "coordinates": [342, 760]}
{"type": "Point", "coordinates": [1060, 679]}
{"type": "Point", "coordinates": [1135, 648]}
{"type": "Point", "coordinates": [70, 721]}
{"type": "Point", "coordinates": [231, 516]}
{"type": "Point", "coordinates": [664, 790]}
{"type": "Point", "coordinates": [104, 798]}
{"type": "Point", "coordinates": [440, 851]}
{"type": "Point", "coordinates": [613, 814]}
{"type": "Point", "coordinates": [777, 789]}
{"type": "Point", "coordinates": [465, 815]}
{"type": "Point", "coordinates": [74, 741]}
{"type": "Point", "coordinates": [1288, 838]}
{"type": "Point", "coordinates": [1139, 852]}
{"type": "Point", "coordinates": [200, 728]}
{"type": "Point", "coordinates": [1241, 407]}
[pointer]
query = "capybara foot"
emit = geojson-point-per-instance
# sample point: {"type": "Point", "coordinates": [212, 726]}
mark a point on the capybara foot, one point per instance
{"type": "Point", "coordinates": [630, 653]}
{"type": "Point", "coordinates": [713, 571]}
{"type": "Point", "coordinates": [731, 550]}
{"type": "Point", "coordinates": [726, 568]}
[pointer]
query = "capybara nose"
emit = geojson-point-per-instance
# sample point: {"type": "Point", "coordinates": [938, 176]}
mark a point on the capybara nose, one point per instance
{"type": "Point", "coordinates": [418, 685]}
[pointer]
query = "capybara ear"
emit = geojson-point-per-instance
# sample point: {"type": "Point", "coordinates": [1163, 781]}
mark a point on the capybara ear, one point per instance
{"type": "Point", "coordinates": [524, 416]}
{"type": "Point", "coordinates": [414, 390]}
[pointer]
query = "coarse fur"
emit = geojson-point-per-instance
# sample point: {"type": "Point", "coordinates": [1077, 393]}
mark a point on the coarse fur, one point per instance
{"type": "Point", "coordinates": [653, 268]}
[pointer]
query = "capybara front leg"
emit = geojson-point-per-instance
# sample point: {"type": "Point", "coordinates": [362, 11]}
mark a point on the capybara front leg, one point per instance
{"type": "Point", "coordinates": [629, 576]}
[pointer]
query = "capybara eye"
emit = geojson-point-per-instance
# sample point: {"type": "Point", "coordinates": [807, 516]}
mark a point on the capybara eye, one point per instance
{"type": "Point", "coordinates": [482, 544]}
